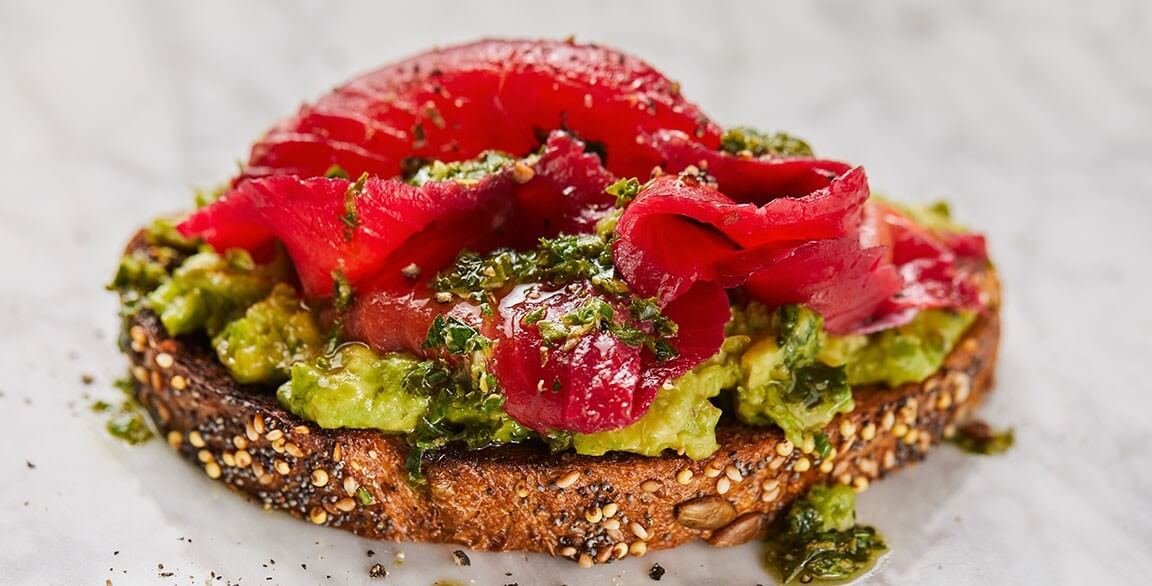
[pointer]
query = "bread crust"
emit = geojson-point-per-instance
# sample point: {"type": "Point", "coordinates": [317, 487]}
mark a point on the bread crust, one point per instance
{"type": "Point", "coordinates": [585, 508]}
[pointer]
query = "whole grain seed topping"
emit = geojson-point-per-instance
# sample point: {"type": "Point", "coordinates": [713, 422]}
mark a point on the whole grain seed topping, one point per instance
{"type": "Point", "coordinates": [611, 524]}
{"type": "Point", "coordinates": [733, 473]}
{"type": "Point", "coordinates": [847, 428]}
{"type": "Point", "coordinates": [258, 424]}
{"type": "Point", "coordinates": [802, 464]}
{"type": "Point", "coordinates": [638, 548]}
{"type": "Point", "coordinates": [723, 485]}
{"type": "Point", "coordinates": [274, 435]}
{"type": "Point", "coordinates": [887, 421]}
{"type": "Point", "coordinates": [706, 512]}
{"type": "Point", "coordinates": [243, 458]}
{"type": "Point", "coordinates": [650, 485]}
{"type": "Point", "coordinates": [293, 450]}
{"type": "Point", "coordinates": [318, 515]}
{"type": "Point", "coordinates": [620, 550]}
{"type": "Point", "coordinates": [240, 442]}
{"type": "Point", "coordinates": [684, 476]}
{"type": "Point", "coordinates": [826, 466]}
{"type": "Point", "coordinates": [712, 470]}
{"type": "Point", "coordinates": [603, 555]}
{"type": "Point", "coordinates": [178, 382]}
{"type": "Point", "coordinates": [567, 552]}
{"type": "Point", "coordinates": [212, 469]}
{"type": "Point", "coordinates": [319, 477]}
{"type": "Point", "coordinates": [868, 432]}
{"type": "Point", "coordinates": [346, 504]}
{"type": "Point", "coordinates": [638, 530]}
{"type": "Point", "coordinates": [784, 448]}
{"type": "Point", "coordinates": [350, 485]}
{"type": "Point", "coordinates": [229, 459]}
{"type": "Point", "coordinates": [585, 561]}
{"type": "Point", "coordinates": [195, 439]}
{"type": "Point", "coordinates": [175, 439]}
{"type": "Point", "coordinates": [567, 479]}
{"type": "Point", "coordinates": [899, 429]}
{"type": "Point", "coordinates": [593, 515]}
{"type": "Point", "coordinates": [164, 360]}
{"type": "Point", "coordinates": [282, 467]}
{"type": "Point", "coordinates": [610, 510]}
{"type": "Point", "coordinates": [860, 484]}
{"type": "Point", "coordinates": [205, 456]}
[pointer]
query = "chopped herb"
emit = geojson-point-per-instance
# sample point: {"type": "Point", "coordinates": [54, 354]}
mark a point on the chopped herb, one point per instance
{"type": "Point", "coordinates": [351, 217]}
{"type": "Point", "coordinates": [977, 437]}
{"type": "Point", "coordinates": [759, 144]}
{"type": "Point", "coordinates": [821, 540]}
{"type": "Point", "coordinates": [624, 190]}
{"type": "Point", "coordinates": [342, 293]}
{"type": "Point", "coordinates": [454, 336]}
{"type": "Point", "coordinates": [126, 422]}
{"type": "Point", "coordinates": [823, 446]}
{"type": "Point", "coordinates": [468, 172]}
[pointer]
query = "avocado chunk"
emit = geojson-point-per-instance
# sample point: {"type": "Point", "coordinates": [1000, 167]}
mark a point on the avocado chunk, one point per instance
{"type": "Point", "coordinates": [274, 334]}
{"type": "Point", "coordinates": [353, 387]}
{"type": "Point", "coordinates": [681, 417]}
{"type": "Point", "coordinates": [785, 384]}
{"type": "Point", "coordinates": [907, 354]}
{"type": "Point", "coordinates": [208, 290]}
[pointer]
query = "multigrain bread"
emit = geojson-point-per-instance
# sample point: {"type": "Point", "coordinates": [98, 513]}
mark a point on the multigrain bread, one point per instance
{"type": "Point", "coordinates": [588, 509]}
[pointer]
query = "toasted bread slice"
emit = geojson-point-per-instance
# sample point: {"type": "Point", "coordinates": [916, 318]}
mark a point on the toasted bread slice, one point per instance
{"type": "Point", "coordinates": [589, 509]}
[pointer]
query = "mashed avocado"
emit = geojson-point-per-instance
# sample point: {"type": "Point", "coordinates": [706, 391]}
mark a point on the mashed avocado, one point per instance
{"type": "Point", "coordinates": [681, 417]}
{"type": "Point", "coordinates": [208, 290]}
{"type": "Point", "coordinates": [274, 334]}
{"type": "Point", "coordinates": [784, 382]}
{"type": "Point", "coordinates": [907, 354]}
{"type": "Point", "coordinates": [353, 387]}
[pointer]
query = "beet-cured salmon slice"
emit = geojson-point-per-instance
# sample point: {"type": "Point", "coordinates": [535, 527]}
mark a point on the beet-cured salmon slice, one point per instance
{"type": "Point", "coordinates": [755, 180]}
{"type": "Point", "coordinates": [453, 103]}
{"type": "Point", "coordinates": [679, 230]}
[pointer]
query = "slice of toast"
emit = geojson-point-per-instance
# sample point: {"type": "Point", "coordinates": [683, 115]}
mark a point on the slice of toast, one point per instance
{"type": "Point", "coordinates": [589, 509]}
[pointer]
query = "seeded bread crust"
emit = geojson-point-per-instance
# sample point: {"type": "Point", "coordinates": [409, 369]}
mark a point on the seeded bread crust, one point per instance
{"type": "Point", "coordinates": [588, 509]}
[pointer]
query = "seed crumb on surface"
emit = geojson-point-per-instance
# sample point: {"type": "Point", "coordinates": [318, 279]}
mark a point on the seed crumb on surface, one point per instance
{"type": "Point", "coordinates": [377, 571]}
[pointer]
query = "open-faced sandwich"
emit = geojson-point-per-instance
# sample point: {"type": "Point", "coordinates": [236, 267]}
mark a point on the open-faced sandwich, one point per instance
{"type": "Point", "coordinates": [522, 295]}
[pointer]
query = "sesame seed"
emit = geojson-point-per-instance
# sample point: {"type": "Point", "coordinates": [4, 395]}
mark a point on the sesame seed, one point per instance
{"type": "Point", "coordinates": [610, 510]}
{"type": "Point", "coordinates": [712, 471]}
{"type": "Point", "coordinates": [593, 515]}
{"type": "Point", "coordinates": [567, 551]}
{"type": "Point", "coordinates": [278, 446]}
{"type": "Point", "coordinates": [164, 360]}
{"type": "Point", "coordinates": [346, 504]}
{"type": "Point", "coordinates": [638, 548]}
{"type": "Point", "coordinates": [769, 496]}
{"type": "Point", "coordinates": [302, 429]}
{"type": "Point", "coordinates": [250, 431]}
{"type": "Point", "coordinates": [229, 459]}
{"type": "Point", "coordinates": [620, 550]}
{"type": "Point", "coordinates": [770, 485]}
{"type": "Point", "coordinates": [567, 479]}
{"type": "Point", "coordinates": [318, 515]}
{"type": "Point", "coordinates": [603, 555]}
{"type": "Point", "coordinates": [638, 530]}
{"type": "Point", "coordinates": [784, 448]}
{"type": "Point", "coordinates": [776, 464]}
{"type": "Point", "coordinates": [611, 524]}
{"type": "Point", "coordinates": [887, 421]}
{"type": "Point", "coordinates": [900, 429]}
{"type": "Point", "coordinates": [240, 442]}
{"type": "Point", "coordinates": [723, 485]}
{"type": "Point", "coordinates": [350, 485]}
{"type": "Point", "coordinates": [650, 485]}
{"type": "Point", "coordinates": [802, 464]}
{"type": "Point", "coordinates": [319, 477]}
{"type": "Point", "coordinates": [178, 382]}
{"type": "Point", "coordinates": [265, 479]}
{"type": "Point", "coordinates": [585, 561]}
{"type": "Point", "coordinates": [293, 450]}
{"type": "Point", "coordinates": [860, 484]}
{"type": "Point", "coordinates": [847, 428]}
{"type": "Point", "coordinates": [868, 432]}
{"type": "Point", "coordinates": [243, 459]}
{"type": "Point", "coordinates": [205, 456]}
{"type": "Point", "coordinates": [175, 439]}
{"type": "Point", "coordinates": [684, 476]}
{"type": "Point", "coordinates": [337, 452]}
{"type": "Point", "coordinates": [258, 424]}
{"type": "Point", "coordinates": [733, 474]}
{"type": "Point", "coordinates": [282, 467]}
{"type": "Point", "coordinates": [212, 469]}
{"type": "Point", "coordinates": [274, 435]}
{"type": "Point", "coordinates": [944, 401]}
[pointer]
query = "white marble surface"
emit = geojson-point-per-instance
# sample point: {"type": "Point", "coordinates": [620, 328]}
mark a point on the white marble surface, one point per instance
{"type": "Point", "coordinates": [1035, 118]}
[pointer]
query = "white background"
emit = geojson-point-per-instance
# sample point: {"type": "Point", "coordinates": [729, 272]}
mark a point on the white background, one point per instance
{"type": "Point", "coordinates": [1034, 118]}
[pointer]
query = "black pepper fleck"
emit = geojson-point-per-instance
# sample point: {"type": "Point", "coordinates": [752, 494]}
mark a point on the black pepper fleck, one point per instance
{"type": "Point", "coordinates": [656, 572]}
{"type": "Point", "coordinates": [377, 571]}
